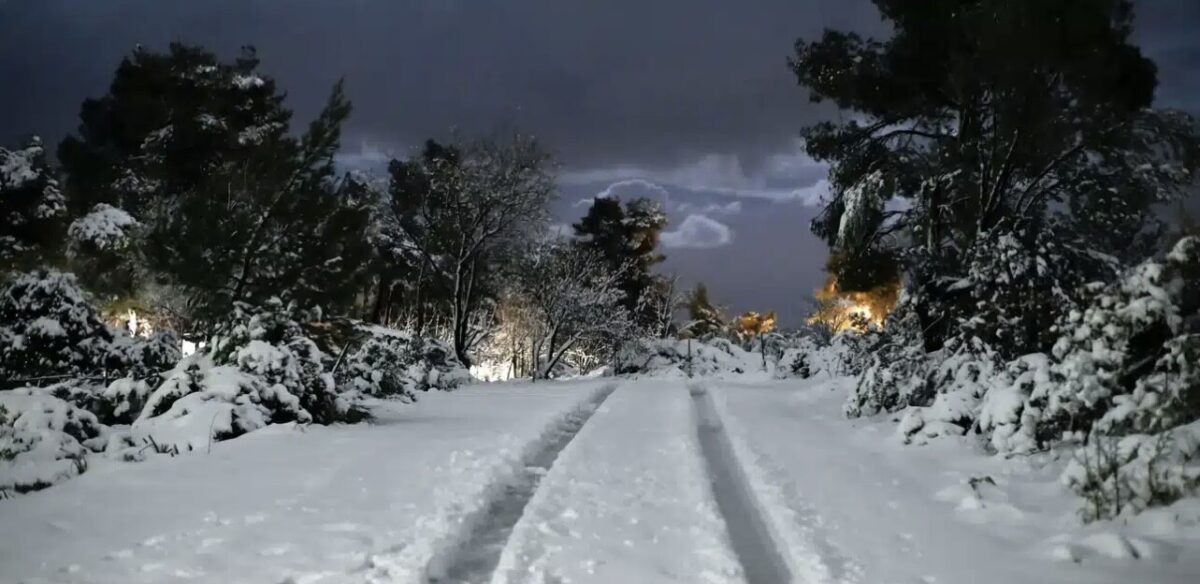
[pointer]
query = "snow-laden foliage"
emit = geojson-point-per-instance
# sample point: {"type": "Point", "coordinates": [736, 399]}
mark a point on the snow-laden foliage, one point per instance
{"type": "Point", "coordinates": [894, 379]}
{"type": "Point", "coordinates": [1007, 418]}
{"type": "Point", "coordinates": [201, 402]}
{"type": "Point", "coordinates": [388, 363]}
{"type": "Point", "coordinates": [1129, 382]}
{"type": "Point", "coordinates": [1122, 362]}
{"type": "Point", "coordinates": [49, 330]}
{"type": "Point", "coordinates": [1125, 475]}
{"type": "Point", "coordinates": [951, 392]}
{"type": "Point", "coordinates": [105, 228]}
{"type": "Point", "coordinates": [1019, 284]}
{"type": "Point", "coordinates": [41, 440]}
{"type": "Point", "coordinates": [796, 361]}
{"type": "Point", "coordinates": [261, 369]}
{"type": "Point", "coordinates": [104, 247]}
{"type": "Point", "coordinates": [1121, 383]}
{"type": "Point", "coordinates": [806, 357]}
{"type": "Point", "coordinates": [889, 363]}
{"type": "Point", "coordinates": [31, 207]}
{"type": "Point", "coordinates": [674, 357]}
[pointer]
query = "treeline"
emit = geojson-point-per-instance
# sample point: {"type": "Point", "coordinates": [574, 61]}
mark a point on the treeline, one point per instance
{"type": "Point", "coordinates": [187, 191]}
{"type": "Point", "coordinates": [1005, 163]}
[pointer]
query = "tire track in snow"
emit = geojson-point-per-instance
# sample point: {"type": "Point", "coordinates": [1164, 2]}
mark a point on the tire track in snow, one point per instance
{"type": "Point", "coordinates": [798, 528]}
{"type": "Point", "coordinates": [473, 557]}
{"type": "Point", "coordinates": [749, 532]}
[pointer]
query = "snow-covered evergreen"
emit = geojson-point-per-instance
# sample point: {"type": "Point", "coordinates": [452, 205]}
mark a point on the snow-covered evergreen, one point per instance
{"type": "Point", "coordinates": [32, 207]}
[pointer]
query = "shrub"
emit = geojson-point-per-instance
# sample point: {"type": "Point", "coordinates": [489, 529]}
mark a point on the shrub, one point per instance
{"type": "Point", "coordinates": [393, 364]}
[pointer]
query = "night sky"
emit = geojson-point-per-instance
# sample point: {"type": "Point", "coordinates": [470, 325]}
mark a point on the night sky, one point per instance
{"type": "Point", "coordinates": [686, 101]}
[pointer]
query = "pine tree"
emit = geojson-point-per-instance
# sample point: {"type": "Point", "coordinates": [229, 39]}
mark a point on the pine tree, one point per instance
{"type": "Point", "coordinates": [705, 319]}
{"type": "Point", "coordinates": [627, 237]}
{"type": "Point", "coordinates": [234, 207]}
{"type": "Point", "coordinates": [988, 118]}
{"type": "Point", "coordinates": [32, 208]}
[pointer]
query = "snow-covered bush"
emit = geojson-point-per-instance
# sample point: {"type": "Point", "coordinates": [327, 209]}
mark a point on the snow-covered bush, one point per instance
{"type": "Point", "coordinates": [958, 379]}
{"type": "Point", "coordinates": [104, 249]}
{"type": "Point", "coordinates": [1020, 284]}
{"type": "Point", "coordinates": [672, 357]}
{"type": "Point", "coordinates": [270, 343]}
{"type": "Point", "coordinates": [42, 440]}
{"type": "Point", "coordinates": [261, 369]}
{"type": "Point", "coordinates": [1128, 474]}
{"type": "Point", "coordinates": [795, 362]}
{"type": "Point", "coordinates": [1008, 418]}
{"type": "Point", "coordinates": [1123, 361]}
{"type": "Point", "coordinates": [810, 356]}
{"type": "Point", "coordinates": [49, 331]}
{"type": "Point", "coordinates": [389, 363]}
{"type": "Point", "coordinates": [201, 402]}
{"type": "Point", "coordinates": [890, 364]}
{"type": "Point", "coordinates": [104, 229]}
{"type": "Point", "coordinates": [48, 328]}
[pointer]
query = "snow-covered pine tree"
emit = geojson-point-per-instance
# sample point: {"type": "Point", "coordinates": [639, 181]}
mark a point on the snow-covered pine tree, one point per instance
{"type": "Point", "coordinates": [234, 207]}
{"type": "Point", "coordinates": [32, 208]}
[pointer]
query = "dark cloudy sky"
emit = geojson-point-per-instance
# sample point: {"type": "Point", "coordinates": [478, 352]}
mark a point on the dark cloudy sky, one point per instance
{"type": "Point", "coordinates": [688, 101]}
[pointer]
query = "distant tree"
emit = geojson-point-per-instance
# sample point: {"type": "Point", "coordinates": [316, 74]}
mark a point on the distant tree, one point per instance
{"type": "Point", "coordinates": [990, 119]}
{"type": "Point", "coordinates": [705, 319]}
{"type": "Point", "coordinates": [627, 237]}
{"type": "Point", "coordinates": [234, 207]}
{"type": "Point", "coordinates": [32, 209]}
{"type": "Point", "coordinates": [461, 210]}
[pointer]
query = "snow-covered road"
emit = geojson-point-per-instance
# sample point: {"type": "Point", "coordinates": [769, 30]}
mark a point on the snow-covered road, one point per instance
{"type": "Point", "coordinates": [652, 480]}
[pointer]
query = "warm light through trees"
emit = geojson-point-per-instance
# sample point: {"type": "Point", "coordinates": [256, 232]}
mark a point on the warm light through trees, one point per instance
{"type": "Point", "coordinates": [840, 311]}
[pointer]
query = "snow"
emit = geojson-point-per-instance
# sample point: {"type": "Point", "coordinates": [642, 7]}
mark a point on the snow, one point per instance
{"type": "Point", "coordinates": [287, 503]}
{"type": "Point", "coordinates": [626, 499]}
{"type": "Point", "coordinates": [18, 167]}
{"type": "Point", "coordinates": [724, 479]}
{"type": "Point", "coordinates": [851, 503]}
{"type": "Point", "coordinates": [247, 81]}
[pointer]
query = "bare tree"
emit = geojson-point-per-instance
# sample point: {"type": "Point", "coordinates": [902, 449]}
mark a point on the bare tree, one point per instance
{"type": "Point", "coordinates": [575, 299]}
{"type": "Point", "coordinates": [462, 209]}
{"type": "Point", "coordinates": [660, 303]}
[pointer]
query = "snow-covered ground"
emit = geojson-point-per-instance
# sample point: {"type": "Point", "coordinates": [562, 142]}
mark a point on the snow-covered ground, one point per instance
{"type": "Point", "coordinates": [628, 501]}
{"type": "Point", "coordinates": [603, 480]}
{"type": "Point", "coordinates": [284, 505]}
{"type": "Point", "coordinates": [850, 503]}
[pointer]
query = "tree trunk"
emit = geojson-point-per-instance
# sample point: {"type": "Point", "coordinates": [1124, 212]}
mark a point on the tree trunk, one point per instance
{"type": "Point", "coordinates": [383, 296]}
